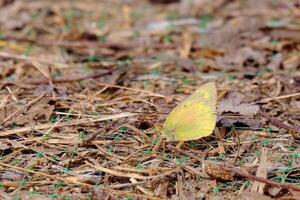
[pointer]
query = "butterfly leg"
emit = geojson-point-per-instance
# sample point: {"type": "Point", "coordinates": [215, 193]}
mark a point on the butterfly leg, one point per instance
{"type": "Point", "coordinates": [179, 145]}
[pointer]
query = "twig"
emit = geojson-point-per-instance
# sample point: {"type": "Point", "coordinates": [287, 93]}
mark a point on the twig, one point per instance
{"type": "Point", "coordinates": [280, 124]}
{"type": "Point", "coordinates": [72, 123]}
{"type": "Point", "coordinates": [130, 175]}
{"type": "Point", "coordinates": [260, 179]}
{"type": "Point", "coordinates": [265, 100]}
{"type": "Point", "coordinates": [122, 185]}
{"type": "Point", "coordinates": [62, 79]}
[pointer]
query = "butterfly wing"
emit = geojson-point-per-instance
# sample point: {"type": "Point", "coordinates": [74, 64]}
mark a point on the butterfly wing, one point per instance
{"type": "Point", "coordinates": [206, 94]}
{"type": "Point", "coordinates": [194, 117]}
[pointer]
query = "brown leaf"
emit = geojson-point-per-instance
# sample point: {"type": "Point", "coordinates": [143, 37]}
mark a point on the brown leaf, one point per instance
{"type": "Point", "coordinates": [274, 191]}
{"type": "Point", "coordinates": [236, 59]}
{"type": "Point", "coordinates": [217, 173]}
{"type": "Point", "coordinates": [292, 61]}
{"type": "Point", "coordinates": [41, 109]}
{"type": "Point", "coordinates": [204, 187]}
{"type": "Point", "coordinates": [251, 196]}
{"type": "Point", "coordinates": [252, 122]}
{"type": "Point", "coordinates": [32, 196]}
{"type": "Point", "coordinates": [162, 189]}
{"type": "Point", "coordinates": [233, 103]}
{"type": "Point", "coordinates": [102, 194]}
{"type": "Point", "coordinates": [281, 33]}
{"type": "Point", "coordinates": [243, 27]}
{"type": "Point", "coordinates": [164, 1]}
{"type": "Point", "coordinates": [295, 195]}
{"type": "Point", "coordinates": [3, 146]}
{"type": "Point", "coordinates": [11, 175]}
{"type": "Point", "coordinates": [13, 17]}
{"type": "Point", "coordinates": [15, 144]}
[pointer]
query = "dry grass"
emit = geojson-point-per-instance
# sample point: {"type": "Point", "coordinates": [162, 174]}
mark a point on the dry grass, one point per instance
{"type": "Point", "coordinates": [84, 83]}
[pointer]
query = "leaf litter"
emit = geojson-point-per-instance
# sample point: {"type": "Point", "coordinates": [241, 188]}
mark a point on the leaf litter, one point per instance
{"type": "Point", "coordinates": [83, 86]}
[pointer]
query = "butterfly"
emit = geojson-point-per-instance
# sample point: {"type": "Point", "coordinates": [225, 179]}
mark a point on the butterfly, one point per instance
{"type": "Point", "coordinates": [193, 118]}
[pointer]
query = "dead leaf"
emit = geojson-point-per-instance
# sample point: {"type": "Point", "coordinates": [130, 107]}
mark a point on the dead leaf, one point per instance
{"type": "Point", "coordinates": [41, 109]}
{"type": "Point", "coordinates": [283, 33]}
{"type": "Point", "coordinates": [214, 171]}
{"type": "Point", "coordinates": [102, 194]}
{"type": "Point", "coordinates": [233, 103]}
{"type": "Point", "coordinates": [274, 191]}
{"type": "Point", "coordinates": [295, 195]}
{"type": "Point", "coordinates": [200, 6]}
{"type": "Point", "coordinates": [12, 17]}
{"type": "Point", "coordinates": [244, 57]}
{"type": "Point", "coordinates": [164, 1]}
{"type": "Point", "coordinates": [11, 175]}
{"type": "Point", "coordinates": [204, 187]}
{"type": "Point", "coordinates": [252, 195]}
{"type": "Point", "coordinates": [24, 195]}
{"type": "Point", "coordinates": [275, 62]}
{"type": "Point", "coordinates": [3, 146]}
{"type": "Point", "coordinates": [228, 120]}
{"type": "Point", "coordinates": [234, 32]}
{"type": "Point", "coordinates": [292, 61]}
{"type": "Point", "coordinates": [16, 144]}
{"type": "Point", "coordinates": [162, 189]}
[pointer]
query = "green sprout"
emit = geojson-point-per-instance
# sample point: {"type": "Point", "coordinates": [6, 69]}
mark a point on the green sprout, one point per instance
{"type": "Point", "coordinates": [221, 156]}
{"type": "Point", "coordinates": [117, 137]}
{"type": "Point", "coordinates": [110, 149]}
{"type": "Point", "coordinates": [231, 77]}
{"type": "Point", "coordinates": [53, 119]}
{"type": "Point", "coordinates": [82, 136]}
{"type": "Point", "coordinates": [59, 184]}
{"type": "Point", "coordinates": [39, 154]}
{"type": "Point", "coordinates": [139, 166]}
{"type": "Point", "coordinates": [186, 81]}
{"type": "Point", "coordinates": [101, 23]}
{"type": "Point", "coordinates": [67, 170]}
{"type": "Point", "coordinates": [266, 142]}
{"type": "Point", "coordinates": [219, 187]}
{"type": "Point", "coordinates": [192, 144]}
{"type": "Point", "coordinates": [168, 38]}
{"type": "Point", "coordinates": [123, 129]}
{"type": "Point", "coordinates": [147, 151]}
{"type": "Point", "coordinates": [53, 196]}
{"type": "Point", "coordinates": [68, 119]}
{"type": "Point", "coordinates": [154, 141]}
{"type": "Point", "coordinates": [203, 22]}
{"type": "Point", "coordinates": [102, 39]}
{"type": "Point", "coordinates": [182, 160]}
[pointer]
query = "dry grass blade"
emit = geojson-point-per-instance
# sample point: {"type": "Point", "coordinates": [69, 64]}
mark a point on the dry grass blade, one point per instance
{"type": "Point", "coordinates": [130, 175]}
{"type": "Point", "coordinates": [85, 84]}
{"type": "Point", "coordinates": [68, 179]}
{"type": "Point", "coordinates": [62, 124]}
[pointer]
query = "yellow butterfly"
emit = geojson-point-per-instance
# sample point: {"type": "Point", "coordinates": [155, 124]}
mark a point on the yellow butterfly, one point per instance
{"type": "Point", "coordinates": [193, 118]}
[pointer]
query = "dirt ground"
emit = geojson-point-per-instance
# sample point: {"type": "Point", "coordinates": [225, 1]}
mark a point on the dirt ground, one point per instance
{"type": "Point", "coordinates": [83, 84]}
